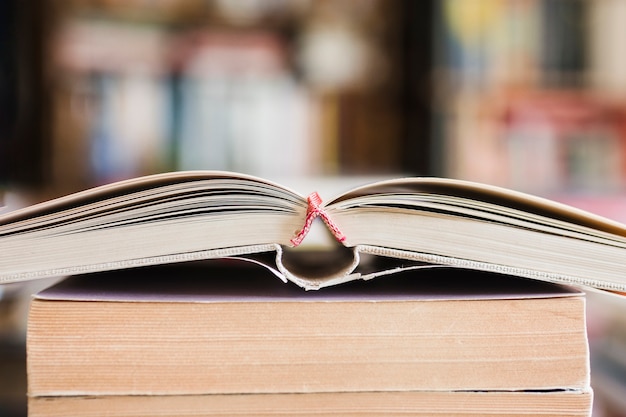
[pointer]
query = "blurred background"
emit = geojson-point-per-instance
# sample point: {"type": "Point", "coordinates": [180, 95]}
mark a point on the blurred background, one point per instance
{"type": "Point", "coordinates": [526, 94]}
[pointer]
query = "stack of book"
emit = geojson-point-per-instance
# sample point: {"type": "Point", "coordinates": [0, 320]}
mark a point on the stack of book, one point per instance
{"type": "Point", "coordinates": [228, 339]}
{"type": "Point", "coordinates": [417, 311]}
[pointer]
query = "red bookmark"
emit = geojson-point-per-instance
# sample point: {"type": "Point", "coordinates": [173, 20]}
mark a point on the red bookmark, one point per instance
{"type": "Point", "coordinates": [314, 210]}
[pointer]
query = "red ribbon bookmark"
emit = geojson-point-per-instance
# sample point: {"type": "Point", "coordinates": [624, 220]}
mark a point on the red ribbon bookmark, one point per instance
{"type": "Point", "coordinates": [314, 210]}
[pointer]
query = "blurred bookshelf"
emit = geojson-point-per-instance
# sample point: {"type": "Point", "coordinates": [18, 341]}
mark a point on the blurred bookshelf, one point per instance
{"type": "Point", "coordinates": [526, 94]}
{"type": "Point", "coordinates": [531, 95]}
{"type": "Point", "coordinates": [276, 88]}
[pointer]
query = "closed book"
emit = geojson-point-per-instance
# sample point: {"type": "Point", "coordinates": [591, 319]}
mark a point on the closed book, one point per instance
{"type": "Point", "coordinates": [224, 328]}
{"type": "Point", "coordinates": [344, 404]}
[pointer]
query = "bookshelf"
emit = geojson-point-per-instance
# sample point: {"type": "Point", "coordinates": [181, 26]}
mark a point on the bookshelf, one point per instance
{"type": "Point", "coordinates": [338, 94]}
{"type": "Point", "coordinates": [528, 95]}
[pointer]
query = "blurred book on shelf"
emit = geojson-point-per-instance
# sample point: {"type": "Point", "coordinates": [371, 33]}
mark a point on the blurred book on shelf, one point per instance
{"type": "Point", "coordinates": [546, 142]}
{"type": "Point", "coordinates": [112, 109]}
{"type": "Point", "coordinates": [240, 106]}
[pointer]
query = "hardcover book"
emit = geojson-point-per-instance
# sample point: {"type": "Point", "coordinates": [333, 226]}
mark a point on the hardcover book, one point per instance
{"type": "Point", "coordinates": [378, 229]}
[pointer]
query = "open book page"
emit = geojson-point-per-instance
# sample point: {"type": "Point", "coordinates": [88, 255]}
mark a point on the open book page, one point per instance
{"type": "Point", "coordinates": [472, 225]}
{"type": "Point", "coordinates": [188, 216]}
{"type": "Point", "coordinates": [492, 200]}
{"type": "Point", "coordinates": [158, 219]}
{"type": "Point", "coordinates": [176, 186]}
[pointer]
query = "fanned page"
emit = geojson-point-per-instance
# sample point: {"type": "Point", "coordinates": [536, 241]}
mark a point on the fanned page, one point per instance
{"type": "Point", "coordinates": [472, 225]}
{"type": "Point", "coordinates": [393, 225]}
{"type": "Point", "coordinates": [490, 199]}
{"type": "Point", "coordinates": [158, 219]}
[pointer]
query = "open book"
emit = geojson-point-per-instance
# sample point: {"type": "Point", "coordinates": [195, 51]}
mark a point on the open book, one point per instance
{"type": "Point", "coordinates": [379, 228]}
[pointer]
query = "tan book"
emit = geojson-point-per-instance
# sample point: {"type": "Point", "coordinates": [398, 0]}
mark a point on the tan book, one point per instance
{"type": "Point", "coordinates": [234, 329]}
{"type": "Point", "coordinates": [404, 404]}
{"type": "Point", "coordinates": [187, 216]}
